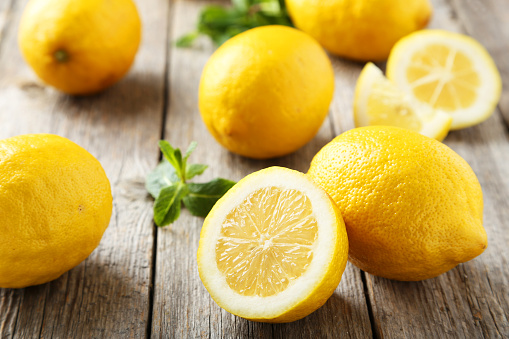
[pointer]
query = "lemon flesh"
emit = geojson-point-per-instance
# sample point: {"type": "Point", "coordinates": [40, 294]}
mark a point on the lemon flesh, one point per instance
{"type": "Point", "coordinates": [273, 248]}
{"type": "Point", "coordinates": [379, 102]}
{"type": "Point", "coordinates": [261, 250]}
{"type": "Point", "coordinates": [447, 71]}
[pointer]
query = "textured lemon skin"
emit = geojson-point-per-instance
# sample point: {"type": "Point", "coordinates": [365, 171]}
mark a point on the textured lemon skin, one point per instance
{"type": "Point", "coordinates": [323, 288]}
{"type": "Point", "coordinates": [412, 206]}
{"type": "Point", "coordinates": [266, 92]}
{"type": "Point", "coordinates": [359, 29]}
{"type": "Point", "coordinates": [100, 38]}
{"type": "Point", "coordinates": [55, 204]}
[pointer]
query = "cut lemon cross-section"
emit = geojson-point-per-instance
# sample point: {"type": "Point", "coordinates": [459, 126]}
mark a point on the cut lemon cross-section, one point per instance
{"type": "Point", "coordinates": [273, 248]}
{"type": "Point", "coordinates": [378, 102]}
{"type": "Point", "coordinates": [447, 71]}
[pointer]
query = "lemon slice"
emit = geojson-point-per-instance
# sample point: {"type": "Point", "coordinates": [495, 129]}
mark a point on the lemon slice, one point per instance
{"type": "Point", "coordinates": [378, 102]}
{"type": "Point", "coordinates": [447, 71]}
{"type": "Point", "coordinates": [273, 248]}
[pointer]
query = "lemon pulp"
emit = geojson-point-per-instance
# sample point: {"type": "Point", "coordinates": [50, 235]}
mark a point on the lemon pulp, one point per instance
{"type": "Point", "coordinates": [444, 77]}
{"type": "Point", "coordinates": [267, 241]}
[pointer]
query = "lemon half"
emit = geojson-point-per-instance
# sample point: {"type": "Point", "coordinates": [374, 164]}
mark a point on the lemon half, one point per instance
{"type": "Point", "coordinates": [273, 248]}
{"type": "Point", "coordinates": [379, 102]}
{"type": "Point", "coordinates": [447, 71]}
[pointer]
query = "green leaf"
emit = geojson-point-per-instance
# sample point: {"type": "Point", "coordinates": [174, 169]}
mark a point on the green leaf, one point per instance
{"type": "Point", "coordinates": [162, 176]}
{"type": "Point", "coordinates": [187, 40]}
{"type": "Point", "coordinates": [221, 23]}
{"type": "Point", "coordinates": [167, 205]}
{"type": "Point", "coordinates": [202, 197]}
{"type": "Point", "coordinates": [194, 170]}
{"type": "Point", "coordinates": [190, 149]}
{"type": "Point", "coordinates": [242, 5]}
{"type": "Point", "coordinates": [173, 155]}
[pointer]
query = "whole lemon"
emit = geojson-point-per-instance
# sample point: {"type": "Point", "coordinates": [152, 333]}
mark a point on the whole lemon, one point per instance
{"type": "Point", "coordinates": [80, 46]}
{"type": "Point", "coordinates": [359, 29]}
{"type": "Point", "coordinates": [265, 92]}
{"type": "Point", "coordinates": [412, 206]}
{"type": "Point", "coordinates": [55, 204]}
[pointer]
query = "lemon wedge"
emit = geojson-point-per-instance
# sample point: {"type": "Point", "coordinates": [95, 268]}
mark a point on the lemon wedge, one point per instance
{"type": "Point", "coordinates": [447, 71]}
{"type": "Point", "coordinates": [379, 102]}
{"type": "Point", "coordinates": [273, 248]}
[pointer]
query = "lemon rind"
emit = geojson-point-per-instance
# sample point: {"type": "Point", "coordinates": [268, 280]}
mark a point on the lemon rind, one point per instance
{"type": "Point", "coordinates": [435, 123]}
{"type": "Point", "coordinates": [266, 308]}
{"type": "Point", "coordinates": [491, 83]}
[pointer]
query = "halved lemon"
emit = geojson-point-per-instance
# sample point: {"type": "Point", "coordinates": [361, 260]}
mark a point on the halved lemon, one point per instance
{"type": "Point", "coordinates": [447, 71]}
{"type": "Point", "coordinates": [273, 248]}
{"type": "Point", "coordinates": [379, 102]}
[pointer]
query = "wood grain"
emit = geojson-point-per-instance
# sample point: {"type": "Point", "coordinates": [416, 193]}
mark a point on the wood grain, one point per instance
{"type": "Point", "coordinates": [108, 294]}
{"type": "Point", "coordinates": [470, 301]}
{"type": "Point", "coordinates": [142, 282]}
{"type": "Point", "coordinates": [182, 306]}
{"type": "Point", "coordinates": [5, 15]}
{"type": "Point", "coordinates": [486, 20]}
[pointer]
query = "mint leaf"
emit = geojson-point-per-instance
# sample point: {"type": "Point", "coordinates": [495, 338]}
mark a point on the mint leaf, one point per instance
{"type": "Point", "coordinates": [167, 184]}
{"type": "Point", "coordinates": [221, 23]}
{"type": "Point", "coordinates": [202, 197]}
{"type": "Point", "coordinates": [194, 170]}
{"type": "Point", "coordinates": [187, 40]}
{"type": "Point", "coordinates": [190, 149]}
{"type": "Point", "coordinates": [173, 155]}
{"type": "Point", "coordinates": [162, 176]}
{"type": "Point", "coordinates": [167, 204]}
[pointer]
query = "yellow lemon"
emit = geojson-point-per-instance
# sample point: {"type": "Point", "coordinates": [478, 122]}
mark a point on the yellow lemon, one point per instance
{"type": "Point", "coordinates": [447, 71]}
{"type": "Point", "coordinates": [55, 204]}
{"type": "Point", "coordinates": [412, 206]}
{"type": "Point", "coordinates": [80, 46]}
{"type": "Point", "coordinates": [379, 102]}
{"type": "Point", "coordinates": [359, 29]}
{"type": "Point", "coordinates": [266, 92]}
{"type": "Point", "coordinates": [273, 248]}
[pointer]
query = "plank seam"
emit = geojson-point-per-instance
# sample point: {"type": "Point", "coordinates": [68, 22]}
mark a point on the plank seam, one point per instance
{"type": "Point", "coordinates": [371, 315]}
{"type": "Point", "coordinates": [164, 110]}
{"type": "Point", "coordinates": [17, 316]}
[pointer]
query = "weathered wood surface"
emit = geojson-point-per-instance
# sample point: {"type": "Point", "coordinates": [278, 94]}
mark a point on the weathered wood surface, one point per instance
{"type": "Point", "coordinates": [143, 282]}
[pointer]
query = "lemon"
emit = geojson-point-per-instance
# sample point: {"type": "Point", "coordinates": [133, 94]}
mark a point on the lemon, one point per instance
{"type": "Point", "coordinates": [359, 29]}
{"type": "Point", "coordinates": [412, 207]}
{"type": "Point", "coordinates": [266, 92]}
{"type": "Point", "coordinates": [447, 71]}
{"type": "Point", "coordinates": [273, 248]}
{"type": "Point", "coordinates": [80, 46]}
{"type": "Point", "coordinates": [378, 102]}
{"type": "Point", "coordinates": [55, 204]}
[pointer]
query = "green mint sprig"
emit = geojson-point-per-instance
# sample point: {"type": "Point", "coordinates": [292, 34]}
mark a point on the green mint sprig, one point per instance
{"type": "Point", "coordinates": [167, 183]}
{"type": "Point", "coordinates": [221, 23]}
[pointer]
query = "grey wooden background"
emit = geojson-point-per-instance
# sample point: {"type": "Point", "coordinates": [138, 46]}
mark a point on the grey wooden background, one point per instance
{"type": "Point", "coordinates": [143, 282]}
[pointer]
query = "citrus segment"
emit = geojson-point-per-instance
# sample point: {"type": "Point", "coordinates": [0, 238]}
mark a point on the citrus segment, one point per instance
{"type": "Point", "coordinates": [447, 71]}
{"type": "Point", "coordinates": [274, 229]}
{"type": "Point", "coordinates": [273, 248]}
{"type": "Point", "coordinates": [378, 102]}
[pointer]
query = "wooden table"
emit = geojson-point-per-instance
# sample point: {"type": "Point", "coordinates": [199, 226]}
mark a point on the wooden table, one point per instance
{"type": "Point", "coordinates": [143, 281]}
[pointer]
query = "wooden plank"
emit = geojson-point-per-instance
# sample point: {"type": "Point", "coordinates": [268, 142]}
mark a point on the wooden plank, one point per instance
{"type": "Point", "coordinates": [5, 11]}
{"type": "Point", "coordinates": [182, 306]}
{"type": "Point", "coordinates": [471, 300]}
{"type": "Point", "coordinates": [108, 295]}
{"type": "Point", "coordinates": [486, 21]}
